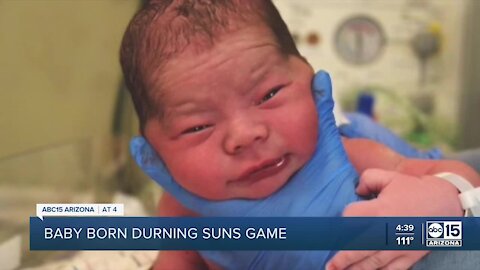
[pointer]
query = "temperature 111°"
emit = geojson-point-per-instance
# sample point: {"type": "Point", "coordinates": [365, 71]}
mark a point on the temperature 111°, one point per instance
{"type": "Point", "coordinates": [404, 240]}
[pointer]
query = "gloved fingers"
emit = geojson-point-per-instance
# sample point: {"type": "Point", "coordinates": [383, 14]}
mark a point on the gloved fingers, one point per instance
{"type": "Point", "coordinates": [348, 131]}
{"type": "Point", "coordinates": [373, 181]}
{"type": "Point", "coordinates": [357, 123]}
{"type": "Point", "coordinates": [362, 126]}
{"type": "Point", "coordinates": [147, 158]}
{"type": "Point", "coordinates": [434, 154]}
{"type": "Point", "coordinates": [322, 90]}
{"type": "Point", "coordinates": [329, 141]}
{"type": "Point", "coordinates": [150, 163]}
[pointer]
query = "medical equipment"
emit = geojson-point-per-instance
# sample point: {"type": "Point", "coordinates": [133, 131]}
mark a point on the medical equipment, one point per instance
{"type": "Point", "coordinates": [369, 44]}
{"type": "Point", "coordinates": [469, 195]}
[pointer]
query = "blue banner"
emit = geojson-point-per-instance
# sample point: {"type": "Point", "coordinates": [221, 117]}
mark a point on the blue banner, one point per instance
{"type": "Point", "coordinates": [316, 233]}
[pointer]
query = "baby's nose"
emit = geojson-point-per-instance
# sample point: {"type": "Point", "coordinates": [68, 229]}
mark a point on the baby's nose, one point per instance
{"type": "Point", "coordinates": [244, 133]}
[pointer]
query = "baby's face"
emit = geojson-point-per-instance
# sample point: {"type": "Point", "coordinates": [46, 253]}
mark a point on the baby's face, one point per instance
{"type": "Point", "coordinates": [239, 120]}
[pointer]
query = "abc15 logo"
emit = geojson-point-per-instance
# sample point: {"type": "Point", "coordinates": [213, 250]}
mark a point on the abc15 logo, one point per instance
{"type": "Point", "coordinates": [448, 230]}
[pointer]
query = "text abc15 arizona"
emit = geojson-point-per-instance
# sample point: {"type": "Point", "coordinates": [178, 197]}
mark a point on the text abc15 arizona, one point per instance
{"type": "Point", "coordinates": [444, 234]}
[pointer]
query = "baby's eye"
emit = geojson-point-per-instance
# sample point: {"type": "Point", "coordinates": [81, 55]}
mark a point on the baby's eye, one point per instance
{"type": "Point", "coordinates": [195, 129]}
{"type": "Point", "coordinates": [270, 94]}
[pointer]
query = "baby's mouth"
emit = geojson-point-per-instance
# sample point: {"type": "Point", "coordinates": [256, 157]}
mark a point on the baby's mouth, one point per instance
{"type": "Point", "coordinates": [265, 169]}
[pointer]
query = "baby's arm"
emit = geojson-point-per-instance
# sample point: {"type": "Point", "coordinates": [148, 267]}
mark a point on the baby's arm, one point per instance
{"type": "Point", "coordinates": [422, 194]}
{"type": "Point", "coordinates": [366, 154]}
{"type": "Point", "coordinates": [181, 259]}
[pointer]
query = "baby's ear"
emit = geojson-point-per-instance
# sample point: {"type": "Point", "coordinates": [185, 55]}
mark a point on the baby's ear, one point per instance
{"type": "Point", "coordinates": [304, 59]}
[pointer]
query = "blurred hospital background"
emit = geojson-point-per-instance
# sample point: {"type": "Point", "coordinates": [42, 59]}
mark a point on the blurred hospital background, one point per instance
{"type": "Point", "coordinates": [66, 117]}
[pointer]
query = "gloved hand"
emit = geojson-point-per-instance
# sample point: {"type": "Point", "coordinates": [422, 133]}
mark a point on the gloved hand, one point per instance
{"type": "Point", "coordinates": [362, 126]}
{"type": "Point", "coordinates": [323, 187]}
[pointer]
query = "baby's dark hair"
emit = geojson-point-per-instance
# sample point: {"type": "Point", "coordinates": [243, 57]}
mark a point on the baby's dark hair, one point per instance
{"type": "Point", "coordinates": [165, 28]}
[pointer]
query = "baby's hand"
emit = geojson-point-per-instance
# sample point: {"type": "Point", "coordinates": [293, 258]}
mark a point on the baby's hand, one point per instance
{"type": "Point", "coordinates": [404, 195]}
{"type": "Point", "coordinates": [423, 193]}
{"type": "Point", "coordinates": [371, 259]}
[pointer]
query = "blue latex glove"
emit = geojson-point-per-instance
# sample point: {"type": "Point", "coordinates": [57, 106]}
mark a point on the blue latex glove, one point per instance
{"type": "Point", "coordinates": [362, 126]}
{"type": "Point", "coordinates": [323, 187]}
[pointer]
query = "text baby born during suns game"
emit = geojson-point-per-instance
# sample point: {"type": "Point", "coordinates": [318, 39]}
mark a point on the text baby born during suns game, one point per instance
{"type": "Point", "coordinates": [235, 233]}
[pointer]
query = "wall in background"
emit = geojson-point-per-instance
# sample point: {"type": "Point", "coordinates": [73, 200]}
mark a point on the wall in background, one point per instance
{"type": "Point", "coordinates": [59, 81]}
{"type": "Point", "coordinates": [470, 136]}
{"type": "Point", "coordinates": [59, 70]}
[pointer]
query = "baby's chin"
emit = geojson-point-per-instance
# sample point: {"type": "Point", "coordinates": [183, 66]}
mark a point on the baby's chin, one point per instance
{"type": "Point", "coordinates": [257, 193]}
{"type": "Point", "coordinates": [255, 190]}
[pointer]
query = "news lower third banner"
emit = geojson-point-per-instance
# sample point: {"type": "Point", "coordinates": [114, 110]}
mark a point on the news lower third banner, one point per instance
{"type": "Point", "coordinates": [322, 233]}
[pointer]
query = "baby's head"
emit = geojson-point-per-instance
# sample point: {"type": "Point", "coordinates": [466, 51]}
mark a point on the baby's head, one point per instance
{"type": "Point", "coordinates": [222, 94]}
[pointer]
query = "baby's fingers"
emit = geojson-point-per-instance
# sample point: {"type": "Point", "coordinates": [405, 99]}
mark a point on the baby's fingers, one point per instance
{"type": "Point", "coordinates": [344, 259]}
{"type": "Point", "coordinates": [406, 261]}
{"type": "Point", "coordinates": [373, 181]}
{"type": "Point", "coordinates": [369, 208]}
{"type": "Point", "coordinates": [389, 259]}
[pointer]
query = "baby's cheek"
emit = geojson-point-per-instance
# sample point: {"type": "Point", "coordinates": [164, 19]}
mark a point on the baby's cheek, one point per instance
{"type": "Point", "coordinates": [306, 141]}
{"type": "Point", "coordinates": [302, 131]}
{"type": "Point", "coordinates": [199, 174]}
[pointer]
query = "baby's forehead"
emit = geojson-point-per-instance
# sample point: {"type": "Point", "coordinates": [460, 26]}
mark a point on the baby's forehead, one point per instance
{"type": "Point", "coordinates": [220, 65]}
{"type": "Point", "coordinates": [236, 72]}
{"type": "Point", "coordinates": [237, 62]}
